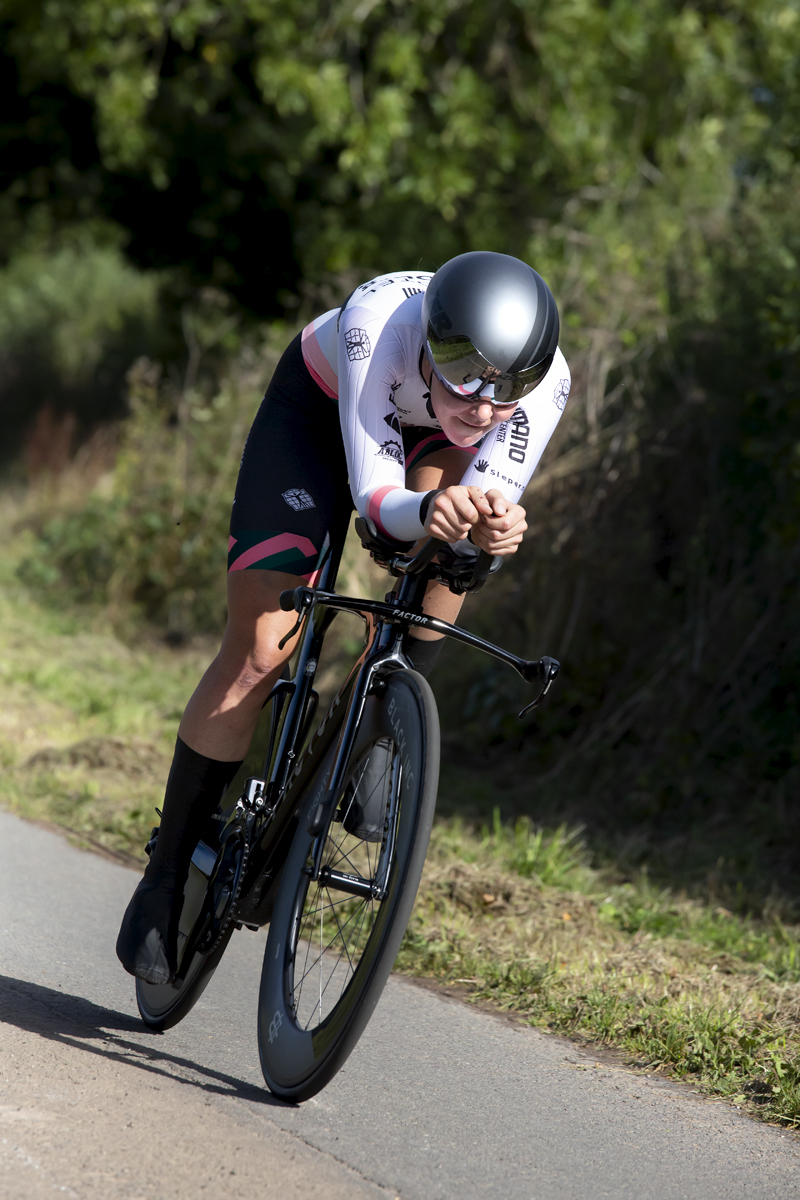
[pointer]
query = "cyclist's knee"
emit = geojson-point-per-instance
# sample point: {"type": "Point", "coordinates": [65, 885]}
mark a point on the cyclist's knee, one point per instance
{"type": "Point", "coordinates": [250, 669]}
{"type": "Point", "coordinates": [258, 668]}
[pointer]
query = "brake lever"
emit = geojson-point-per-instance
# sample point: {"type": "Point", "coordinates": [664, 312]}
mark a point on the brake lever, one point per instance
{"type": "Point", "coordinates": [547, 669]}
{"type": "Point", "coordinates": [304, 603]}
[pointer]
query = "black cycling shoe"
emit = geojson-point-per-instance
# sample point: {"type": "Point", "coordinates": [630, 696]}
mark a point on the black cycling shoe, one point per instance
{"type": "Point", "coordinates": [366, 797]}
{"type": "Point", "coordinates": [146, 945]}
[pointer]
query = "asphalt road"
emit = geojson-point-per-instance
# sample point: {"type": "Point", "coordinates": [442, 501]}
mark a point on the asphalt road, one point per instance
{"type": "Point", "coordinates": [438, 1100]}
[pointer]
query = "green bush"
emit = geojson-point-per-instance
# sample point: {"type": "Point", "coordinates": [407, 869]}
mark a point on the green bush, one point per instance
{"type": "Point", "coordinates": [662, 569]}
{"type": "Point", "coordinates": [74, 314]}
{"type": "Point", "coordinates": [150, 542]}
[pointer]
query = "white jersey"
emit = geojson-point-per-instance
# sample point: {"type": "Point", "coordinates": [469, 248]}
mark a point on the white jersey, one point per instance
{"type": "Point", "coordinates": [369, 357]}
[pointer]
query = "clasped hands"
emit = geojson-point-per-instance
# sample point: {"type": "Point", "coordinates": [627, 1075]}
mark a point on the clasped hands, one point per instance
{"type": "Point", "coordinates": [494, 523]}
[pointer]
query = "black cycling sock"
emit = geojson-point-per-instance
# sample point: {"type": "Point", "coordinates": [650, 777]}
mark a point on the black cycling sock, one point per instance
{"type": "Point", "coordinates": [423, 655]}
{"type": "Point", "coordinates": [194, 789]}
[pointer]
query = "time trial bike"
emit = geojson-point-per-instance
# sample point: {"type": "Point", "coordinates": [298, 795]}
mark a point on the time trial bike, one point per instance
{"type": "Point", "coordinates": [323, 832]}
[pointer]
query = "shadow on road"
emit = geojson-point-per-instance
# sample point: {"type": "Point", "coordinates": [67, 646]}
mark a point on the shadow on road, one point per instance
{"type": "Point", "coordinates": [74, 1021]}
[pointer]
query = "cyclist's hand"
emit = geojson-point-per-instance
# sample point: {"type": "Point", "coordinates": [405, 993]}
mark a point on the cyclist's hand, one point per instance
{"type": "Point", "coordinates": [452, 513]}
{"type": "Point", "coordinates": [500, 533]}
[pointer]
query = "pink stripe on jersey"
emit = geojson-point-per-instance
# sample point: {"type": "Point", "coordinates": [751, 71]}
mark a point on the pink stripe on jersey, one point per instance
{"type": "Point", "coordinates": [435, 437]}
{"type": "Point", "coordinates": [318, 366]}
{"type": "Point", "coordinates": [438, 437]}
{"type": "Point", "coordinates": [374, 507]}
{"type": "Point", "coordinates": [273, 545]}
{"type": "Point", "coordinates": [231, 543]}
{"type": "Point", "coordinates": [311, 579]}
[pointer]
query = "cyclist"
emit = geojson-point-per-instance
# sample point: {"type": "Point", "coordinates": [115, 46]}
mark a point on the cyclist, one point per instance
{"type": "Point", "coordinates": [448, 388]}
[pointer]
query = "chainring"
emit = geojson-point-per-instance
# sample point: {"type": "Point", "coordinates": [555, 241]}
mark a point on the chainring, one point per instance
{"type": "Point", "coordinates": [225, 884]}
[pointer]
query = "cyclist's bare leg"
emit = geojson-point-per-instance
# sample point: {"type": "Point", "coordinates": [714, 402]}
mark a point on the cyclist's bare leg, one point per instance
{"type": "Point", "coordinates": [221, 715]}
{"type": "Point", "coordinates": [214, 736]}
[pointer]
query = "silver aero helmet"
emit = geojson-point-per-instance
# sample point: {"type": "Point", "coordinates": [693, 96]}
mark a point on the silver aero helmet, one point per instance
{"type": "Point", "coordinates": [489, 326]}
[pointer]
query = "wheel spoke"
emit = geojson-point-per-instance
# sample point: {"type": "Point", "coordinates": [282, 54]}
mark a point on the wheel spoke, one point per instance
{"type": "Point", "coordinates": [335, 927]}
{"type": "Point", "coordinates": [339, 933]}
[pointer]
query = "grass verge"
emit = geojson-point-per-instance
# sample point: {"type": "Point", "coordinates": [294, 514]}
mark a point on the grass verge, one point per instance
{"type": "Point", "coordinates": [518, 917]}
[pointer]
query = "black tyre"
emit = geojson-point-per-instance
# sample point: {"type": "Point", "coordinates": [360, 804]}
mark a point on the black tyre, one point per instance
{"type": "Point", "coordinates": [332, 943]}
{"type": "Point", "coordinates": [163, 1005]}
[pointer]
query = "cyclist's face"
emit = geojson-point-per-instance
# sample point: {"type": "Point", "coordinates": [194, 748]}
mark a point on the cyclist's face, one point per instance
{"type": "Point", "coordinates": [464, 422]}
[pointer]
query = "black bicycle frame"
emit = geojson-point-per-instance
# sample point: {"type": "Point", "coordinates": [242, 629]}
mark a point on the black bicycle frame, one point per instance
{"type": "Point", "coordinates": [270, 798]}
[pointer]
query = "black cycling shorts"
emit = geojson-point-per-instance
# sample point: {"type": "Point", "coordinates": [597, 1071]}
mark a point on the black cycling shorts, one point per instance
{"type": "Point", "coordinates": [292, 494]}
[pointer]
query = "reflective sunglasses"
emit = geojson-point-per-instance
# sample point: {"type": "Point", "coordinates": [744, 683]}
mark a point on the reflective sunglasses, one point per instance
{"type": "Point", "coordinates": [467, 374]}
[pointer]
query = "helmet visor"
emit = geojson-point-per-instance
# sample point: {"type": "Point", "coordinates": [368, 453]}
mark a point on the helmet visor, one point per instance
{"type": "Point", "coordinates": [466, 373]}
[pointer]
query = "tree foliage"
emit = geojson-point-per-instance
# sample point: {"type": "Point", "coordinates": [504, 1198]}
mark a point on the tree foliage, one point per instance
{"type": "Point", "coordinates": [260, 143]}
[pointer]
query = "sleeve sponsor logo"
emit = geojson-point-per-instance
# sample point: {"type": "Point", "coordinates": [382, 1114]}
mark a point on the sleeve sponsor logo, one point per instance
{"type": "Point", "coordinates": [481, 465]}
{"type": "Point", "coordinates": [504, 478]}
{"type": "Point", "coordinates": [393, 422]}
{"type": "Point", "coordinates": [519, 435]}
{"type": "Point", "coordinates": [391, 449]}
{"type": "Point", "coordinates": [298, 499]}
{"type": "Point", "coordinates": [561, 393]}
{"type": "Point", "coordinates": [408, 292]}
{"type": "Point", "coordinates": [357, 344]}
